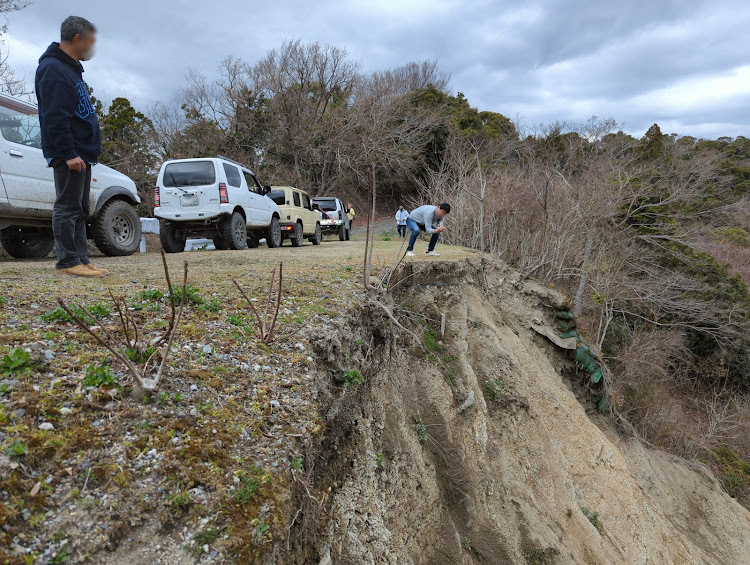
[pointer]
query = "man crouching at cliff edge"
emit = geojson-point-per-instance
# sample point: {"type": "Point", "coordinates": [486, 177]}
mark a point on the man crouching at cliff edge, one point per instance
{"type": "Point", "coordinates": [429, 219]}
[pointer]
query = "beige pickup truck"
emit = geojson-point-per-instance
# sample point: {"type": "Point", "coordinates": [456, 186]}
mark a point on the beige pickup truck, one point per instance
{"type": "Point", "coordinates": [298, 219]}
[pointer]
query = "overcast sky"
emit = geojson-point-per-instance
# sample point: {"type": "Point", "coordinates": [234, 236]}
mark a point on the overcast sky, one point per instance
{"type": "Point", "coordinates": [682, 63]}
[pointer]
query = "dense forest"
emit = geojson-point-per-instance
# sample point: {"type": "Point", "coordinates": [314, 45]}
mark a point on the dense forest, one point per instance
{"type": "Point", "coordinates": [648, 237]}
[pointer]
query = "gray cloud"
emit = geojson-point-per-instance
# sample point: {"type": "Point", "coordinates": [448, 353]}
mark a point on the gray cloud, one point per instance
{"type": "Point", "coordinates": [680, 63]}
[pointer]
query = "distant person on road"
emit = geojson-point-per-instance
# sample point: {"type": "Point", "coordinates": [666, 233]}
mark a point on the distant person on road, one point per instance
{"type": "Point", "coordinates": [71, 141]}
{"type": "Point", "coordinates": [350, 214]}
{"type": "Point", "coordinates": [401, 216]}
{"type": "Point", "coordinates": [429, 219]}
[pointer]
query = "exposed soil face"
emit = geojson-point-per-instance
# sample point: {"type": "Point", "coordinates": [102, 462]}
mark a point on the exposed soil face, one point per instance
{"type": "Point", "coordinates": [521, 475]}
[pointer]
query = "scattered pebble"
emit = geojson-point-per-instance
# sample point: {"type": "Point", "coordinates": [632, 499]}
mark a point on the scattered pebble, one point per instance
{"type": "Point", "coordinates": [207, 349]}
{"type": "Point", "coordinates": [193, 387]}
{"type": "Point", "coordinates": [46, 426]}
{"type": "Point", "coordinates": [65, 411]}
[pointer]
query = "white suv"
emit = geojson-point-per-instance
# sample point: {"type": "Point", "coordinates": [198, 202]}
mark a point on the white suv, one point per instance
{"type": "Point", "coordinates": [27, 193]}
{"type": "Point", "coordinates": [216, 198]}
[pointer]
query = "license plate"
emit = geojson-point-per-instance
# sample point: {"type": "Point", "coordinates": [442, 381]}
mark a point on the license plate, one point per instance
{"type": "Point", "coordinates": [189, 200]}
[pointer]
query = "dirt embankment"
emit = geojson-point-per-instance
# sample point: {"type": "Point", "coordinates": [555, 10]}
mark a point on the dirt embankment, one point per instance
{"type": "Point", "coordinates": [475, 448]}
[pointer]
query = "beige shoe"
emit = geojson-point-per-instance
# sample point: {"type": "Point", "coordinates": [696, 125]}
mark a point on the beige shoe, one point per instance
{"type": "Point", "coordinates": [91, 267]}
{"type": "Point", "coordinates": [81, 271]}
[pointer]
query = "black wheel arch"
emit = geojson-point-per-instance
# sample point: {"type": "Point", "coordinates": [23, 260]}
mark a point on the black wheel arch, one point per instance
{"type": "Point", "coordinates": [118, 192]}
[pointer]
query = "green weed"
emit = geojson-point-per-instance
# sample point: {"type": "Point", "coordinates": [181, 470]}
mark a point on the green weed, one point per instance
{"type": "Point", "coordinates": [249, 484]}
{"type": "Point", "coordinates": [352, 377]}
{"type": "Point", "coordinates": [420, 428]}
{"type": "Point", "coordinates": [17, 361]}
{"type": "Point", "coordinates": [431, 340]}
{"type": "Point", "coordinates": [496, 390]}
{"type": "Point", "coordinates": [17, 449]}
{"type": "Point", "coordinates": [99, 376]}
{"type": "Point", "coordinates": [192, 295]}
{"type": "Point", "coordinates": [140, 355]}
{"type": "Point", "coordinates": [593, 517]}
{"type": "Point", "coordinates": [59, 315]}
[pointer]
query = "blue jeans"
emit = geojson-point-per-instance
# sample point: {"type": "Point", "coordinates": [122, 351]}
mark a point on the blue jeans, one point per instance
{"type": "Point", "coordinates": [70, 214]}
{"type": "Point", "coordinates": [415, 228]}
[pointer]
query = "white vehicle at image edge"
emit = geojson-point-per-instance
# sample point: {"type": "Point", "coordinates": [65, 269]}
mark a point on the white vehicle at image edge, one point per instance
{"type": "Point", "coordinates": [27, 193]}
{"type": "Point", "coordinates": [215, 198]}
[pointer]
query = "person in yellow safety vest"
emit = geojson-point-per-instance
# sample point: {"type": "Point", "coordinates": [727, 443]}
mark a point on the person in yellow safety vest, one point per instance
{"type": "Point", "coordinates": [350, 214]}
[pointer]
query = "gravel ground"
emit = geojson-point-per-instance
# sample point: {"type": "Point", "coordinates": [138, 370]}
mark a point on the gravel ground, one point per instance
{"type": "Point", "coordinates": [91, 470]}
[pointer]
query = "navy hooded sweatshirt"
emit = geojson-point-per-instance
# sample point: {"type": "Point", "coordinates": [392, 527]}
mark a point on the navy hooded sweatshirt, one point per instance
{"type": "Point", "coordinates": [67, 117]}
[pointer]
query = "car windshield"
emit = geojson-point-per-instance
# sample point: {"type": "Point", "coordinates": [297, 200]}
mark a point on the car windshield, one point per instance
{"type": "Point", "coordinates": [327, 204]}
{"type": "Point", "coordinates": [21, 128]}
{"type": "Point", "coordinates": [278, 196]}
{"type": "Point", "coordinates": [189, 173]}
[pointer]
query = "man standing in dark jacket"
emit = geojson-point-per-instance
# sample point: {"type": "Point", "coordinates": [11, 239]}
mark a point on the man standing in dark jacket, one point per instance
{"type": "Point", "coordinates": [71, 141]}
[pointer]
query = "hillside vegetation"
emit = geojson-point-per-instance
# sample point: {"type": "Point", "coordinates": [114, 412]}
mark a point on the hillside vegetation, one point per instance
{"type": "Point", "coordinates": [648, 236]}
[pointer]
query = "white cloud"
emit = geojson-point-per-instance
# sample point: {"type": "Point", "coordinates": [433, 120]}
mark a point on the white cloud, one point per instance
{"type": "Point", "coordinates": [680, 63]}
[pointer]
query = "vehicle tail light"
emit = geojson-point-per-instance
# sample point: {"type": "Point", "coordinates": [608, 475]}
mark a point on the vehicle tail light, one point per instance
{"type": "Point", "coordinates": [287, 228]}
{"type": "Point", "coordinates": [157, 197]}
{"type": "Point", "coordinates": [223, 196]}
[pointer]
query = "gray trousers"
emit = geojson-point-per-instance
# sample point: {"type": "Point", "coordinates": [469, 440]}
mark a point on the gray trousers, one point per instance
{"type": "Point", "coordinates": [70, 214]}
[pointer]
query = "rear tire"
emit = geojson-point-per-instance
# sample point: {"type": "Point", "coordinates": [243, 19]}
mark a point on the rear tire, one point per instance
{"type": "Point", "coordinates": [342, 233]}
{"type": "Point", "coordinates": [25, 243]}
{"type": "Point", "coordinates": [220, 243]}
{"type": "Point", "coordinates": [273, 234]}
{"type": "Point", "coordinates": [234, 231]}
{"type": "Point", "coordinates": [168, 237]}
{"type": "Point", "coordinates": [318, 237]}
{"type": "Point", "coordinates": [117, 229]}
{"type": "Point", "coordinates": [297, 237]}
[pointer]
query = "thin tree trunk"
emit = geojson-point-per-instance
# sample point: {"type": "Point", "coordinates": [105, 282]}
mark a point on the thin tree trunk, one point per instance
{"type": "Point", "coordinates": [583, 282]}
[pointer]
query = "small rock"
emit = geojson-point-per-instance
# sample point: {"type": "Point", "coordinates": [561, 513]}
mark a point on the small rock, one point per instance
{"type": "Point", "coordinates": [207, 349]}
{"type": "Point", "coordinates": [49, 355]}
{"type": "Point", "coordinates": [275, 404]}
{"type": "Point", "coordinates": [193, 387]}
{"type": "Point", "coordinates": [65, 411]}
{"type": "Point", "coordinates": [194, 411]}
{"type": "Point", "coordinates": [300, 346]}
{"type": "Point", "coordinates": [206, 548]}
{"type": "Point", "coordinates": [46, 426]}
{"type": "Point", "coordinates": [96, 423]}
{"type": "Point", "coordinates": [18, 413]}
{"type": "Point", "coordinates": [9, 385]}
{"type": "Point", "coordinates": [213, 555]}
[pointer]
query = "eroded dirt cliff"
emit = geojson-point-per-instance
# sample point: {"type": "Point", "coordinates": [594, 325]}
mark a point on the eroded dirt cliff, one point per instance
{"type": "Point", "coordinates": [481, 447]}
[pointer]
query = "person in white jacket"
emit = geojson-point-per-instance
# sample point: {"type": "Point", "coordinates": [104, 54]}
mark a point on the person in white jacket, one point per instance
{"type": "Point", "coordinates": [401, 215]}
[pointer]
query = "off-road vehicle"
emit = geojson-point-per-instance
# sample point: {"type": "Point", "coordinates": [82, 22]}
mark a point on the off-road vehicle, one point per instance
{"type": "Point", "coordinates": [27, 193]}
{"type": "Point", "coordinates": [333, 216]}
{"type": "Point", "coordinates": [215, 198]}
{"type": "Point", "coordinates": [298, 219]}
